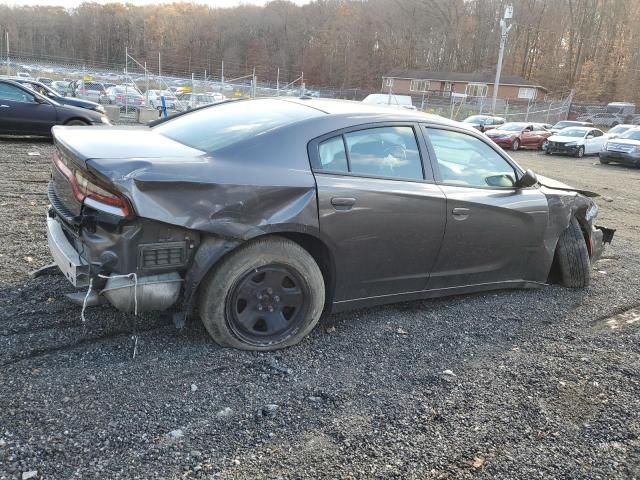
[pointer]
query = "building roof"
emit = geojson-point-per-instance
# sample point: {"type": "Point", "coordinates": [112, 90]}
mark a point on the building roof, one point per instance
{"type": "Point", "coordinates": [480, 77]}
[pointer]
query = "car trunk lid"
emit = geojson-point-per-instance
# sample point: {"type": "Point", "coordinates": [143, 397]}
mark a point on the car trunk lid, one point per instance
{"type": "Point", "coordinates": [92, 149]}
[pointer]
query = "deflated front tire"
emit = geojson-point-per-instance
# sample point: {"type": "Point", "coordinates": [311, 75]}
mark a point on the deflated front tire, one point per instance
{"type": "Point", "coordinates": [572, 257]}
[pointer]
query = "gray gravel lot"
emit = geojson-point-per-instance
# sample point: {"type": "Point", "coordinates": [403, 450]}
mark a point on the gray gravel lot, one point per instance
{"type": "Point", "coordinates": [516, 384]}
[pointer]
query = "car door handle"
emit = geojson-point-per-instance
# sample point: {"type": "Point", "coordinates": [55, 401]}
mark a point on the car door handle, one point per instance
{"type": "Point", "coordinates": [343, 203]}
{"type": "Point", "coordinates": [460, 213]}
{"type": "Point", "coordinates": [5, 106]}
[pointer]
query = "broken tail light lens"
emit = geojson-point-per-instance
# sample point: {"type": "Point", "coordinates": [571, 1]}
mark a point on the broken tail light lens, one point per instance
{"type": "Point", "coordinates": [90, 192]}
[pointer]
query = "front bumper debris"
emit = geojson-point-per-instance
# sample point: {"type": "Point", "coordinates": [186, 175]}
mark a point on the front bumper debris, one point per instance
{"type": "Point", "coordinates": [556, 147]}
{"type": "Point", "coordinates": [599, 237]}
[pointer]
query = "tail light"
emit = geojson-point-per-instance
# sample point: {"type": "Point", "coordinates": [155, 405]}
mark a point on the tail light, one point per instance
{"type": "Point", "coordinates": [89, 191]}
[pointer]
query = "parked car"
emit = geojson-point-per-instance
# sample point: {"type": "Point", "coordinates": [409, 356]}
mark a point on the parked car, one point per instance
{"type": "Point", "coordinates": [62, 87]}
{"type": "Point", "coordinates": [602, 119]}
{"type": "Point", "coordinates": [24, 75]}
{"type": "Point", "coordinates": [569, 123]}
{"type": "Point", "coordinates": [624, 110]}
{"type": "Point", "coordinates": [155, 100]}
{"type": "Point", "coordinates": [577, 141]}
{"type": "Point", "coordinates": [194, 100]}
{"type": "Point", "coordinates": [618, 130]}
{"type": "Point", "coordinates": [516, 135]}
{"type": "Point", "coordinates": [47, 81]}
{"type": "Point", "coordinates": [389, 100]}
{"type": "Point", "coordinates": [48, 92]}
{"type": "Point", "coordinates": [623, 149]}
{"type": "Point", "coordinates": [125, 97]}
{"type": "Point", "coordinates": [266, 212]}
{"type": "Point", "coordinates": [26, 112]}
{"type": "Point", "coordinates": [88, 90]}
{"type": "Point", "coordinates": [484, 122]}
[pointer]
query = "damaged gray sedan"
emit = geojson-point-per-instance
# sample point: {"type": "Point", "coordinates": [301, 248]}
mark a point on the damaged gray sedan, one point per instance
{"type": "Point", "coordinates": [259, 215]}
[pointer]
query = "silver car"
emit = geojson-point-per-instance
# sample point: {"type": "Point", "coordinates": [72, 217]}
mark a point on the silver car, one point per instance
{"type": "Point", "coordinates": [88, 90]}
{"type": "Point", "coordinates": [194, 100]}
{"type": "Point", "coordinates": [124, 96]}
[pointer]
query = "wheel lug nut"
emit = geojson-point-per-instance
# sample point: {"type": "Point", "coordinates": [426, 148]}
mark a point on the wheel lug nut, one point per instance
{"type": "Point", "coordinates": [259, 296]}
{"type": "Point", "coordinates": [270, 309]}
{"type": "Point", "coordinates": [276, 298]}
{"type": "Point", "coordinates": [269, 291]}
{"type": "Point", "coordinates": [260, 307]}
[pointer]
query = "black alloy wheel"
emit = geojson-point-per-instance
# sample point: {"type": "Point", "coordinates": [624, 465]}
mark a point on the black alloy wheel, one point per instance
{"type": "Point", "coordinates": [268, 302]}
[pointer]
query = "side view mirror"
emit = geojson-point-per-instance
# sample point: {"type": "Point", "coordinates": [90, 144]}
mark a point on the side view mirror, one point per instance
{"type": "Point", "coordinates": [528, 179]}
{"type": "Point", "coordinates": [39, 99]}
{"type": "Point", "coordinates": [589, 137]}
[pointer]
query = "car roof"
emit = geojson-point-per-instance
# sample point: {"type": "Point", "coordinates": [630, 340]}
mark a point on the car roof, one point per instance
{"type": "Point", "coordinates": [350, 107]}
{"type": "Point", "coordinates": [584, 129]}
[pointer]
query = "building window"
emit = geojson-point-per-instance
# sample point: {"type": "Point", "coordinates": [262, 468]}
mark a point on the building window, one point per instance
{"type": "Point", "coordinates": [388, 82]}
{"type": "Point", "coordinates": [476, 90]}
{"type": "Point", "coordinates": [527, 92]}
{"type": "Point", "coordinates": [419, 85]}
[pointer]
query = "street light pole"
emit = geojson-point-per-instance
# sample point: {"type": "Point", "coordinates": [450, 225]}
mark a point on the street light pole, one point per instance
{"type": "Point", "coordinates": [504, 31]}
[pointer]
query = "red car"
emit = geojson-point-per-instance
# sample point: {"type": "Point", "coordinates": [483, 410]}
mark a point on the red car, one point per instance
{"type": "Point", "coordinates": [515, 135]}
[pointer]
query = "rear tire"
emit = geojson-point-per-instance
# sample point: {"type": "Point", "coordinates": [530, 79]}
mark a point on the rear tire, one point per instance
{"type": "Point", "coordinates": [515, 145]}
{"type": "Point", "coordinates": [572, 257]}
{"type": "Point", "coordinates": [604, 161]}
{"type": "Point", "coordinates": [76, 123]}
{"type": "Point", "coordinates": [266, 295]}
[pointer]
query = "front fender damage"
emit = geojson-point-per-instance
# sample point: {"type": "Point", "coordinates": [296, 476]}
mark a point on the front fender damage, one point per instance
{"type": "Point", "coordinates": [565, 204]}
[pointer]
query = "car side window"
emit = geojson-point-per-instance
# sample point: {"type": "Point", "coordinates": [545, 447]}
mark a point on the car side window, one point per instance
{"type": "Point", "coordinates": [467, 161]}
{"type": "Point", "coordinates": [596, 133]}
{"type": "Point", "coordinates": [384, 151]}
{"type": "Point", "coordinates": [13, 93]}
{"type": "Point", "coordinates": [332, 155]}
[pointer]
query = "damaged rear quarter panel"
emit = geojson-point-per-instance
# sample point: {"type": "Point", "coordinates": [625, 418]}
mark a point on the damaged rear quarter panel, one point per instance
{"type": "Point", "coordinates": [260, 186]}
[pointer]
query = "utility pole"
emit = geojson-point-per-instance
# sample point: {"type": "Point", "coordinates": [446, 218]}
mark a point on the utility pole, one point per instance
{"type": "Point", "coordinates": [504, 31]}
{"type": "Point", "coordinates": [222, 78]}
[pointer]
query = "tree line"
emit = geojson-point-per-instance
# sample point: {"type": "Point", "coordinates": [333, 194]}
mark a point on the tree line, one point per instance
{"type": "Point", "coordinates": [587, 45]}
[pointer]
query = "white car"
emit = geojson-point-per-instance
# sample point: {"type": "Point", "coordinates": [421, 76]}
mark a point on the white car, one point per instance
{"type": "Point", "coordinates": [390, 100]}
{"type": "Point", "coordinates": [618, 130]}
{"type": "Point", "coordinates": [194, 100]}
{"type": "Point", "coordinates": [577, 141]}
{"type": "Point", "coordinates": [155, 100]}
{"type": "Point", "coordinates": [606, 119]}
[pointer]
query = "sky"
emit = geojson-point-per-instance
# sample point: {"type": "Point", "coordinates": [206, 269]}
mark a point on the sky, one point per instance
{"type": "Point", "coordinates": [75, 3]}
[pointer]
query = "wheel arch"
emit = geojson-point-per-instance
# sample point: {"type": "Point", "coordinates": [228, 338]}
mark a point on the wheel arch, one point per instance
{"type": "Point", "coordinates": [213, 249]}
{"type": "Point", "coordinates": [77, 119]}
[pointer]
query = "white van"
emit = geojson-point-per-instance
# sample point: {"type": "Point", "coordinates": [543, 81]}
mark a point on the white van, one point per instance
{"type": "Point", "coordinates": [390, 100]}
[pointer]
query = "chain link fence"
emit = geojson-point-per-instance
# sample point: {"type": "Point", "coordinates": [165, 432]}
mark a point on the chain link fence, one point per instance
{"type": "Point", "coordinates": [198, 87]}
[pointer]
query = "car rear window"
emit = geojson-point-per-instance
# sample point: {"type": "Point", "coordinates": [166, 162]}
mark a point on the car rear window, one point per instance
{"type": "Point", "coordinates": [226, 124]}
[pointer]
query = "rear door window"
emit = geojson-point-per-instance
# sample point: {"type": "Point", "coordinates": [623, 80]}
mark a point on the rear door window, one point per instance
{"type": "Point", "coordinates": [385, 151]}
{"type": "Point", "coordinates": [333, 157]}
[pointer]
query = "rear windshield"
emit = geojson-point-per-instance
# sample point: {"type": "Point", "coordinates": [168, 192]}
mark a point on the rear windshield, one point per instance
{"type": "Point", "coordinates": [226, 124]}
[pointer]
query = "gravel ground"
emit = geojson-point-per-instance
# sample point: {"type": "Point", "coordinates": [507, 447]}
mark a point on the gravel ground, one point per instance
{"type": "Point", "coordinates": [516, 384]}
